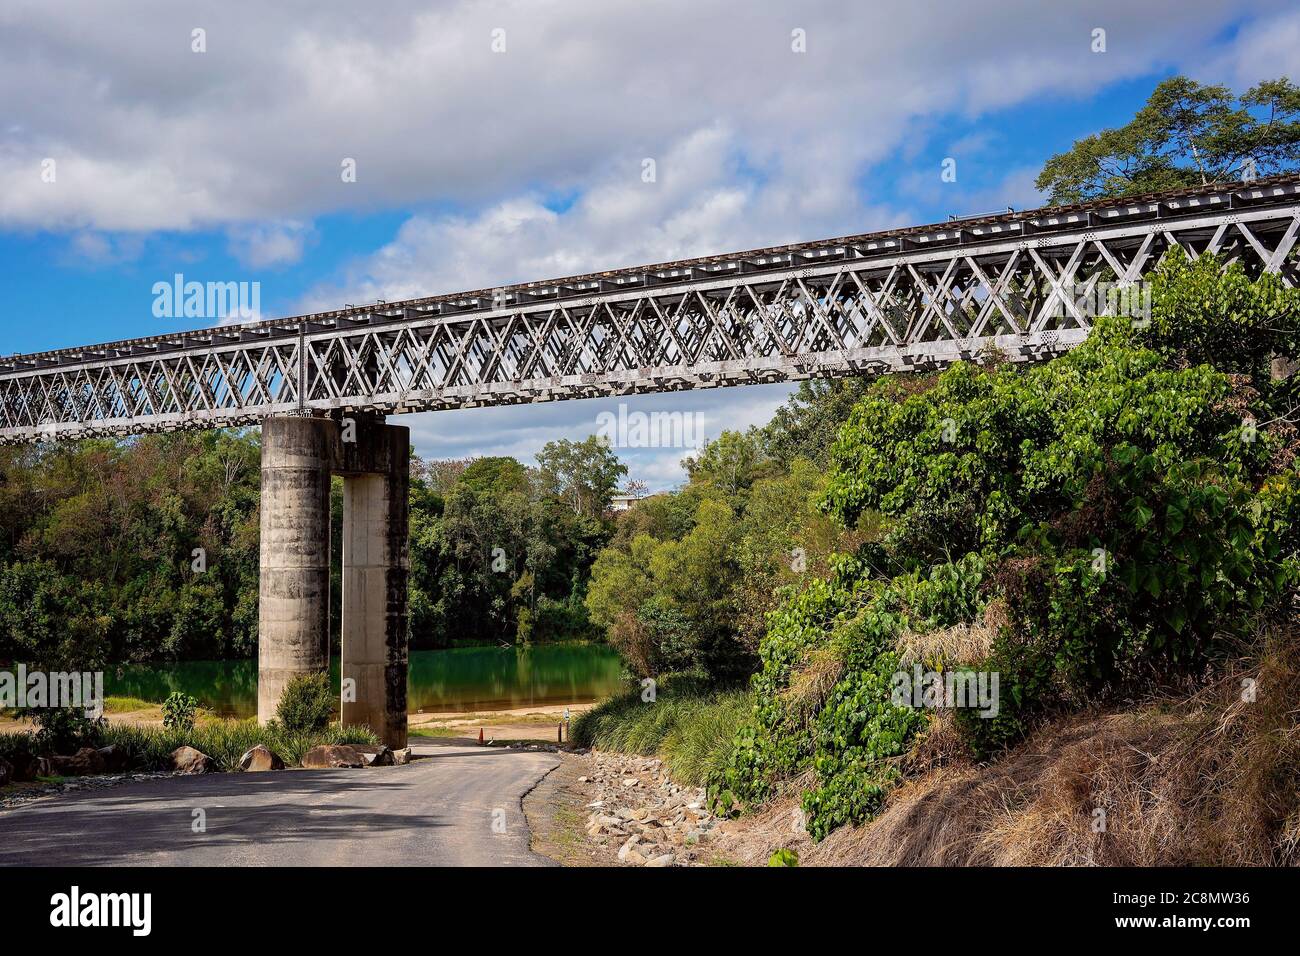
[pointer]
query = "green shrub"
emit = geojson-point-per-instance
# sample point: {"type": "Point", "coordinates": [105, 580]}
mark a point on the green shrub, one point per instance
{"type": "Point", "coordinates": [699, 744]}
{"type": "Point", "coordinates": [64, 730]}
{"type": "Point", "coordinates": [15, 745]}
{"type": "Point", "coordinates": [179, 711]}
{"type": "Point", "coordinates": [783, 857]}
{"type": "Point", "coordinates": [307, 704]}
{"type": "Point", "coordinates": [853, 734]}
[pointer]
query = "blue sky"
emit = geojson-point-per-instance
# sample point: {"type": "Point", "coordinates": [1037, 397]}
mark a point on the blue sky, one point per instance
{"type": "Point", "coordinates": [478, 167]}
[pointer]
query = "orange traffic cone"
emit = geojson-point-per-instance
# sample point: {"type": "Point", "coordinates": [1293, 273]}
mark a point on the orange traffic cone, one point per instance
{"type": "Point", "coordinates": [480, 735]}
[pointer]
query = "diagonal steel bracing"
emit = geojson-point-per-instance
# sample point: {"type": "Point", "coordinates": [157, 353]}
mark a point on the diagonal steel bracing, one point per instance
{"type": "Point", "coordinates": [884, 302]}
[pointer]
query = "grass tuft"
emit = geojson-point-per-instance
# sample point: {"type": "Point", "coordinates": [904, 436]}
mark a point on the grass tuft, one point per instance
{"type": "Point", "coordinates": [123, 705]}
{"type": "Point", "coordinates": [690, 726]}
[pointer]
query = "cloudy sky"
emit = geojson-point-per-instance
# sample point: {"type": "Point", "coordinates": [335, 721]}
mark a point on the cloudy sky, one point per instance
{"type": "Point", "coordinates": [497, 141]}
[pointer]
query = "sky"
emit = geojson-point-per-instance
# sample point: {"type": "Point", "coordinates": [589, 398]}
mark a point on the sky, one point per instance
{"type": "Point", "coordinates": [341, 153]}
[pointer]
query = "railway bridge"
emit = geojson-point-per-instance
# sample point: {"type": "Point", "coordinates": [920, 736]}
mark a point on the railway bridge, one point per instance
{"type": "Point", "coordinates": [321, 385]}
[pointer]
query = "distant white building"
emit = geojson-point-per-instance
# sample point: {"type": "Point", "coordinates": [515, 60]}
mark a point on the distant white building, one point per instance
{"type": "Point", "coordinates": [624, 500]}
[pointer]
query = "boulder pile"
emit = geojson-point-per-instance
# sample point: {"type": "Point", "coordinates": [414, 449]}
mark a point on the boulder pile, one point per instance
{"type": "Point", "coordinates": [653, 821]}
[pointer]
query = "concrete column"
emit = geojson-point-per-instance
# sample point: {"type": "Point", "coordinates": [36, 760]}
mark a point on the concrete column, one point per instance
{"type": "Point", "coordinates": [376, 568]}
{"type": "Point", "coordinates": [294, 613]}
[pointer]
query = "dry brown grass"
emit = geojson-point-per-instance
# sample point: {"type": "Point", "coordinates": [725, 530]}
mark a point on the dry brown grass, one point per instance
{"type": "Point", "coordinates": [952, 646]}
{"type": "Point", "coordinates": [752, 839]}
{"type": "Point", "coordinates": [1207, 779]}
{"type": "Point", "coordinates": [939, 745]}
{"type": "Point", "coordinates": [811, 684]}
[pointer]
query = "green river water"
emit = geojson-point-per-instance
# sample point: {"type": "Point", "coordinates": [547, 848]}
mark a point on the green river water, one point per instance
{"type": "Point", "coordinates": [457, 679]}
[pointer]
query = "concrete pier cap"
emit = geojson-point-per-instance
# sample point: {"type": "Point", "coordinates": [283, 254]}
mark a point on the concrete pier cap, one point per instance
{"type": "Point", "coordinates": [299, 457]}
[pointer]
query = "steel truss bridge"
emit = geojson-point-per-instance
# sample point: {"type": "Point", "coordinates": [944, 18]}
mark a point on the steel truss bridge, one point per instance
{"type": "Point", "coordinates": [899, 300]}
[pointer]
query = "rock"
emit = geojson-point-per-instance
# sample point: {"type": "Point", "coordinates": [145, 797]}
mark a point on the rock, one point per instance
{"type": "Point", "coordinates": [6, 772]}
{"type": "Point", "coordinates": [84, 762]}
{"type": "Point", "coordinates": [189, 760]}
{"type": "Point", "coordinates": [628, 850]}
{"type": "Point", "coordinates": [374, 756]}
{"type": "Point", "coordinates": [260, 758]}
{"type": "Point", "coordinates": [332, 755]}
{"type": "Point", "coordinates": [56, 766]}
{"type": "Point", "coordinates": [666, 859]}
{"type": "Point", "coordinates": [402, 757]}
{"type": "Point", "coordinates": [630, 781]}
{"type": "Point", "coordinates": [115, 758]}
{"type": "Point", "coordinates": [582, 780]}
{"type": "Point", "coordinates": [26, 767]}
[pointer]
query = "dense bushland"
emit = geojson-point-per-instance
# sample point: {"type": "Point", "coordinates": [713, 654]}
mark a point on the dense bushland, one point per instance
{"type": "Point", "coordinates": [501, 552]}
{"type": "Point", "coordinates": [1118, 520]}
{"type": "Point", "coordinates": [1116, 523]}
{"type": "Point", "coordinates": [147, 548]}
{"type": "Point", "coordinates": [97, 550]}
{"type": "Point", "coordinates": [689, 577]}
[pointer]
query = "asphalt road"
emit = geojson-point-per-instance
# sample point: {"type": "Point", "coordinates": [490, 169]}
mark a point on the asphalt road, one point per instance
{"type": "Point", "coordinates": [459, 805]}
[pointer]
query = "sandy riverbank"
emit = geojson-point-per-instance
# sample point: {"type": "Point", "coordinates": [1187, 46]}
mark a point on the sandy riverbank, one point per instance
{"type": "Point", "coordinates": [538, 722]}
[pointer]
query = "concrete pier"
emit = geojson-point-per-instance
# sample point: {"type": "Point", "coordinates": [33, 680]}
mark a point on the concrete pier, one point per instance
{"type": "Point", "coordinates": [376, 568]}
{"type": "Point", "coordinates": [299, 456]}
{"type": "Point", "coordinates": [294, 608]}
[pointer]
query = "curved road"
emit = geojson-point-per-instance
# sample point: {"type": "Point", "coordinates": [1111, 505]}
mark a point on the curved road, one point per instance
{"type": "Point", "coordinates": [447, 808]}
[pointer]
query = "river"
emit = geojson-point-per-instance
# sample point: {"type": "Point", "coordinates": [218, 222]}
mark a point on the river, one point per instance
{"type": "Point", "coordinates": [456, 679]}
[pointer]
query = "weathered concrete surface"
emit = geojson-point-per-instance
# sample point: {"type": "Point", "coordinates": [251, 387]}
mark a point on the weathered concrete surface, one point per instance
{"type": "Point", "coordinates": [376, 569]}
{"type": "Point", "coordinates": [299, 455]}
{"type": "Point", "coordinates": [436, 812]}
{"type": "Point", "coordinates": [294, 610]}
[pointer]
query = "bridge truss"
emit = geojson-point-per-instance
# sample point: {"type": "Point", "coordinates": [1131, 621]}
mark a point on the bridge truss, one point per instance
{"type": "Point", "coordinates": [900, 300]}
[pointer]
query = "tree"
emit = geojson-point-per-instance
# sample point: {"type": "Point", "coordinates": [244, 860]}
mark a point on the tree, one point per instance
{"type": "Point", "coordinates": [1187, 134]}
{"type": "Point", "coordinates": [98, 544]}
{"type": "Point", "coordinates": [585, 474]}
{"type": "Point", "coordinates": [497, 555]}
{"type": "Point", "coordinates": [806, 425]}
{"type": "Point", "coordinates": [731, 464]}
{"type": "Point", "coordinates": [440, 476]}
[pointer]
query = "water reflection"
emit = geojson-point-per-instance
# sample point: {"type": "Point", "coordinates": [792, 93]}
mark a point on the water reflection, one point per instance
{"type": "Point", "coordinates": [463, 678]}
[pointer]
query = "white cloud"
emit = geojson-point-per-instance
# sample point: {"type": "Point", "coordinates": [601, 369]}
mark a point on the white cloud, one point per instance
{"type": "Point", "coordinates": [270, 244]}
{"type": "Point", "coordinates": [101, 249]}
{"type": "Point", "coordinates": [1263, 50]}
{"type": "Point", "coordinates": [699, 204]}
{"type": "Point", "coordinates": [149, 135]}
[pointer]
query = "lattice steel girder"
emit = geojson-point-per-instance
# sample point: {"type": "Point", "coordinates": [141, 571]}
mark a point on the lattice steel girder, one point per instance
{"type": "Point", "coordinates": [919, 300]}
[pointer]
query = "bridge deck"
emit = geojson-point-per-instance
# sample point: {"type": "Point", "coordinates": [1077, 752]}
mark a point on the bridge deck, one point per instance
{"type": "Point", "coordinates": [884, 301]}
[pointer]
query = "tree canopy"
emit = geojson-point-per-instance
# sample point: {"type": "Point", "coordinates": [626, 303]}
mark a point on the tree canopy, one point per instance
{"type": "Point", "coordinates": [1187, 134]}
